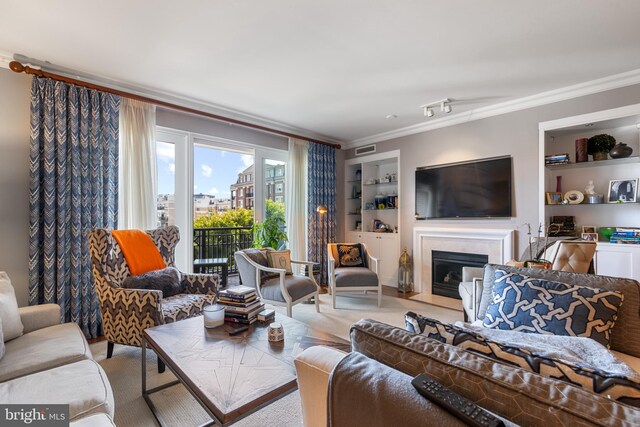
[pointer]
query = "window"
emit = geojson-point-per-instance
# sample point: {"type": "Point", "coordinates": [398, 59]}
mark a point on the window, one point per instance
{"type": "Point", "coordinates": [279, 199]}
{"type": "Point", "coordinates": [166, 166]}
{"type": "Point", "coordinates": [280, 171]}
{"type": "Point", "coordinates": [280, 188]}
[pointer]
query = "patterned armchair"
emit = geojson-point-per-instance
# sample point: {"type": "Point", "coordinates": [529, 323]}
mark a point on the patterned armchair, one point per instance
{"type": "Point", "coordinates": [127, 312]}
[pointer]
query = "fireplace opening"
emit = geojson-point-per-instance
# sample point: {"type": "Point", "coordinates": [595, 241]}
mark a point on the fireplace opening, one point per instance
{"type": "Point", "coordinates": [446, 271]}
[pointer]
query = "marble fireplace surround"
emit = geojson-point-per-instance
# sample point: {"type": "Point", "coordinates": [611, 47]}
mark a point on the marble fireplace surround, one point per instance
{"type": "Point", "coordinates": [496, 243]}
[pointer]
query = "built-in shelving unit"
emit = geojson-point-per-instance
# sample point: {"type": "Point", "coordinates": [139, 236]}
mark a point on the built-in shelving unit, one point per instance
{"type": "Point", "coordinates": [367, 179]}
{"type": "Point", "coordinates": [558, 137]}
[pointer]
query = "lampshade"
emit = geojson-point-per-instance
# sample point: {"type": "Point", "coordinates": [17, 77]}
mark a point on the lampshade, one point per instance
{"type": "Point", "coordinates": [322, 209]}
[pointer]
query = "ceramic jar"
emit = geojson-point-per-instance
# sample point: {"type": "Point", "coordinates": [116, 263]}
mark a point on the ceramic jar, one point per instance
{"type": "Point", "coordinates": [620, 151]}
{"type": "Point", "coordinates": [276, 332]}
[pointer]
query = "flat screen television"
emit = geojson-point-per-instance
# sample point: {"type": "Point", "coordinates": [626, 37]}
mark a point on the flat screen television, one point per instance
{"type": "Point", "coordinates": [474, 189]}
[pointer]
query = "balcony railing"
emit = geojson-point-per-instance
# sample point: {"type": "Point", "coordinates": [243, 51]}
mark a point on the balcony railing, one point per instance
{"type": "Point", "coordinates": [221, 242]}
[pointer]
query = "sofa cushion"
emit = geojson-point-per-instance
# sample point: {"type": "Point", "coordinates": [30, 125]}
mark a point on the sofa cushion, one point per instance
{"type": "Point", "coordinates": [355, 276]}
{"type": "Point", "coordinates": [11, 323]}
{"type": "Point", "coordinates": [83, 385]}
{"type": "Point", "coordinates": [297, 286]}
{"type": "Point", "coordinates": [184, 306]}
{"type": "Point", "coordinates": [624, 336]}
{"type": "Point", "coordinates": [523, 397]}
{"type": "Point", "coordinates": [350, 255]}
{"type": "Point", "coordinates": [43, 349]}
{"type": "Point", "coordinates": [621, 383]}
{"type": "Point", "coordinates": [526, 304]}
{"type": "Point", "coordinates": [95, 420]}
{"type": "Point", "coordinates": [168, 280]}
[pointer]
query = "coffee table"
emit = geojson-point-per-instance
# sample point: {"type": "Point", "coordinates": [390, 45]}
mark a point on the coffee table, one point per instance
{"type": "Point", "coordinates": [230, 376]}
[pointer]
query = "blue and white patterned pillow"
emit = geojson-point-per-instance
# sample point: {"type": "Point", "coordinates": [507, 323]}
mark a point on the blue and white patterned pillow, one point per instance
{"type": "Point", "coordinates": [525, 304]}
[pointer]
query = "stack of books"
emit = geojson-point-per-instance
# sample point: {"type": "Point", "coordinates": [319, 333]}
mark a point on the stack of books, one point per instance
{"type": "Point", "coordinates": [242, 304]}
{"type": "Point", "coordinates": [626, 236]}
{"type": "Point", "coordinates": [556, 159]}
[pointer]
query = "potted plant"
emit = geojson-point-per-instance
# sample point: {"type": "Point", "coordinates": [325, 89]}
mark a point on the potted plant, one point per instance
{"type": "Point", "coordinates": [600, 145]}
{"type": "Point", "coordinates": [270, 233]}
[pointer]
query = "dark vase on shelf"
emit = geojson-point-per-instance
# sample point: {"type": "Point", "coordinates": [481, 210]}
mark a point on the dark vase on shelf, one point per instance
{"type": "Point", "coordinates": [581, 150]}
{"type": "Point", "coordinates": [620, 151]}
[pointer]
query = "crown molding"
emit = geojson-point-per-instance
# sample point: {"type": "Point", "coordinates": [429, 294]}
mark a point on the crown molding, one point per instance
{"type": "Point", "coordinates": [5, 58]}
{"type": "Point", "coordinates": [569, 92]}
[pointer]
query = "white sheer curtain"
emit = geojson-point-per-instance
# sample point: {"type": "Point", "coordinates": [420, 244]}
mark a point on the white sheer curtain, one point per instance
{"type": "Point", "coordinates": [296, 198]}
{"type": "Point", "coordinates": [138, 168]}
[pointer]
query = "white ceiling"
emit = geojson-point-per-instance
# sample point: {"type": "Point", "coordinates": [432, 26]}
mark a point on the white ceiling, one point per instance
{"type": "Point", "coordinates": [333, 67]}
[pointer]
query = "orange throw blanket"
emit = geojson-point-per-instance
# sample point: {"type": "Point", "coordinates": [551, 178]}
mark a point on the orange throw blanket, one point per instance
{"type": "Point", "coordinates": [141, 253]}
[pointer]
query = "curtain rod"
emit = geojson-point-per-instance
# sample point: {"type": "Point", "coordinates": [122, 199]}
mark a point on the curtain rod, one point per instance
{"type": "Point", "coordinates": [19, 68]}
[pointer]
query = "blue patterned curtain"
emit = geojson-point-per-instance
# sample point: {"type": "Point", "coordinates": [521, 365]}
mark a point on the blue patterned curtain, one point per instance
{"type": "Point", "coordinates": [321, 191]}
{"type": "Point", "coordinates": [73, 189]}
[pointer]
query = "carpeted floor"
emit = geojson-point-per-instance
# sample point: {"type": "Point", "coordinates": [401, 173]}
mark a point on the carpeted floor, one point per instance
{"type": "Point", "coordinates": [178, 407]}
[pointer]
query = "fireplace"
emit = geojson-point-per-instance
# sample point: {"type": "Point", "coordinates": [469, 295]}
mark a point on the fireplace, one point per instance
{"type": "Point", "coordinates": [447, 271]}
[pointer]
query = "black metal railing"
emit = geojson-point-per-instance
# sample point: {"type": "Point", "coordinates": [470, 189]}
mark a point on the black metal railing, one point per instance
{"type": "Point", "coordinates": [221, 242]}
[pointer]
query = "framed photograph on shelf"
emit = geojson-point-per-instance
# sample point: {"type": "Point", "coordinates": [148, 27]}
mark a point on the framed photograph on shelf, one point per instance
{"type": "Point", "coordinates": [554, 198]}
{"type": "Point", "coordinates": [623, 191]}
{"type": "Point", "coordinates": [589, 229]}
{"type": "Point", "coordinates": [592, 237]}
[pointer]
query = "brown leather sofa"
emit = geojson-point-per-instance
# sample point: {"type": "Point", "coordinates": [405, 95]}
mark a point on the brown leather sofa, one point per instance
{"type": "Point", "coordinates": [520, 396]}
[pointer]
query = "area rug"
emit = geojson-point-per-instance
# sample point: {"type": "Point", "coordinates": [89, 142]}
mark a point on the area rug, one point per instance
{"type": "Point", "coordinates": [179, 408]}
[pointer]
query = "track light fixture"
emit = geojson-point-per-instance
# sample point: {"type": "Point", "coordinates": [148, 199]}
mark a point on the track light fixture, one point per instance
{"type": "Point", "coordinates": [445, 107]}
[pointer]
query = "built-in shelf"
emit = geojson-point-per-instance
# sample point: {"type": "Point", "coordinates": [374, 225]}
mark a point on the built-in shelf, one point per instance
{"type": "Point", "coordinates": [594, 204]}
{"type": "Point", "coordinates": [381, 183]}
{"type": "Point", "coordinates": [610, 162]}
{"type": "Point", "coordinates": [385, 209]}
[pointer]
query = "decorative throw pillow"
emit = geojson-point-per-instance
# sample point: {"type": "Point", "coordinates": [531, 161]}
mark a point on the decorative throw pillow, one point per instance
{"type": "Point", "coordinates": [615, 386]}
{"type": "Point", "coordinates": [11, 323]}
{"type": "Point", "coordinates": [259, 256]}
{"type": "Point", "coordinates": [525, 304]}
{"type": "Point", "coordinates": [350, 255]}
{"type": "Point", "coordinates": [280, 259]}
{"type": "Point", "coordinates": [168, 280]}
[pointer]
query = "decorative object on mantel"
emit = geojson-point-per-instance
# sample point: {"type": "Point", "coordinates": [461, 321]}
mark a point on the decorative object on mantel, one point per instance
{"type": "Point", "coordinates": [606, 232]}
{"type": "Point", "coordinates": [622, 191]}
{"type": "Point", "coordinates": [405, 273]}
{"type": "Point", "coordinates": [590, 188]}
{"type": "Point", "coordinates": [581, 150]}
{"type": "Point", "coordinates": [556, 159]}
{"type": "Point", "coordinates": [559, 184]}
{"type": "Point", "coordinates": [600, 145]}
{"type": "Point", "coordinates": [620, 151]}
{"type": "Point", "coordinates": [554, 198]}
{"type": "Point", "coordinates": [574, 197]}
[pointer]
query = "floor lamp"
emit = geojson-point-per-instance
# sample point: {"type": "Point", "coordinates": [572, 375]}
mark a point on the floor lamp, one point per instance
{"type": "Point", "coordinates": [322, 210]}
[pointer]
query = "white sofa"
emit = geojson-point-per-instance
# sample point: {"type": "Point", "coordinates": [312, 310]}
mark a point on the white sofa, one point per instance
{"type": "Point", "coordinates": [51, 363]}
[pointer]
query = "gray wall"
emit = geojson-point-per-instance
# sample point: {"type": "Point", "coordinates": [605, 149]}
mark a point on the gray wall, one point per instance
{"type": "Point", "coordinates": [514, 133]}
{"type": "Point", "coordinates": [15, 92]}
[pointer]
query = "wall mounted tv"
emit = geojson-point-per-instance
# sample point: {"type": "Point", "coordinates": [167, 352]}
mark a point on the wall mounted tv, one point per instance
{"type": "Point", "coordinates": [474, 189]}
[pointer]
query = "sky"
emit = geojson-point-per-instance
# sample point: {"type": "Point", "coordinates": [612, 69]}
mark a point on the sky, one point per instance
{"type": "Point", "coordinates": [214, 170]}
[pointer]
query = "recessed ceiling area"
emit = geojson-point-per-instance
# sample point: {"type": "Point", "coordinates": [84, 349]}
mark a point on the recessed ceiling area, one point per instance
{"type": "Point", "coordinates": [334, 68]}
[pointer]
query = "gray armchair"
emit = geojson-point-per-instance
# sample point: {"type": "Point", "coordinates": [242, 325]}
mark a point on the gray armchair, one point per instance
{"type": "Point", "coordinates": [274, 285]}
{"type": "Point", "coordinates": [352, 279]}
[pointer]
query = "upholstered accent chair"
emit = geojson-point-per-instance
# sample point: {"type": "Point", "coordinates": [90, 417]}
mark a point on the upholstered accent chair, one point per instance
{"type": "Point", "coordinates": [574, 256]}
{"type": "Point", "coordinates": [343, 278]}
{"type": "Point", "coordinates": [275, 285]}
{"type": "Point", "coordinates": [127, 312]}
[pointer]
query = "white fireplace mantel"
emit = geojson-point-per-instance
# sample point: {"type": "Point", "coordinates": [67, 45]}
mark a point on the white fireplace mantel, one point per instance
{"type": "Point", "coordinates": [496, 243]}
